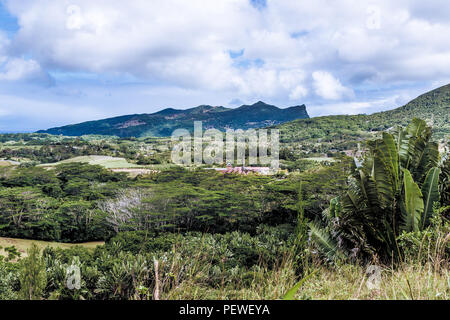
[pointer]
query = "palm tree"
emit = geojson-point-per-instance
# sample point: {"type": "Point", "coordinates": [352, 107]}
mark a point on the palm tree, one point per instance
{"type": "Point", "coordinates": [393, 190]}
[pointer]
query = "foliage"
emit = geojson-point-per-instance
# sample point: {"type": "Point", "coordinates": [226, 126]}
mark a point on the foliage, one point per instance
{"type": "Point", "coordinates": [431, 244]}
{"type": "Point", "coordinates": [33, 276]}
{"type": "Point", "coordinates": [343, 132]}
{"type": "Point", "coordinates": [383, 198]}
{"type": "Point", "coordinates": [163, 123]}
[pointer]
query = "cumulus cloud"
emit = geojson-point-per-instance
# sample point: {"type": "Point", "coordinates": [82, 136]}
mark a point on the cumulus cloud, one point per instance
{"type": "Point", "coordinates": [328, 87]}
{"type": "Point", "coordinates": [298, 92]}
{"type": "Point", "coordinates": [284, 51]}
{"type": "Point", "coordinates": [17, 68]}
{"type": "Point", "coordinates": [20, 69]}
{"type": "Point", "coordinates": [187, 43]}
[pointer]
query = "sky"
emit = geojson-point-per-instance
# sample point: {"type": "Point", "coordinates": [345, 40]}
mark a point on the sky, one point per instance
{"type": "Point", "coordinates": [64, 62]}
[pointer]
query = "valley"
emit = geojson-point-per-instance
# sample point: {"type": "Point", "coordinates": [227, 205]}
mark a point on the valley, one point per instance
{"type": "Point", "coordinates": [119, 209]}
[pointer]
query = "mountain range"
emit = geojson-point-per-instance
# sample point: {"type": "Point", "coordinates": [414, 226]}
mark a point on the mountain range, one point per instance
{"type": "Point", "coordinates": [164, 122]}
{"type": "Point", "coordinates": [294, 122]}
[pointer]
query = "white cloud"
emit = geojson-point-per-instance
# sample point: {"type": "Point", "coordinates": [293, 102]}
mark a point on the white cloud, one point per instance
{"type": "Point", "coordinates": [186, 43]}
{"type": "Point", "coordinates": [328, 87]}
{"type": "Point", "coordinates": [15, 69]}
{"type": "Point", "coordinates": [356, 107]}
{"type": "Point", "coordinates": [315, 51]}
{"type": "Point", "coordinates": [298, 92]}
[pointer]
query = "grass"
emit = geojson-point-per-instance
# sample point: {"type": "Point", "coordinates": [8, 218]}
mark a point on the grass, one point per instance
{"type": "Point", "coordinates": [7, 163]}
{"type": "Point", "coordinates": [347, 282]}
{"type": "Point", "coordinates": [114, 163]}
{"type": "Point", "coordinates": [190, 279]}
{"type": "Point", "coordinates": [408, 281]}
{"type": "Point", "coordinates": [23, 244]}
{"type": "Point", "coordinates": [105, 161]}
{"type": "Point", "coordinates": [14, 147]}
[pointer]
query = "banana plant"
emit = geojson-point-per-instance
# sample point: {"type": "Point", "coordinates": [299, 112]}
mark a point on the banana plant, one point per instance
{"type": "Point", "coordinates": [393, 191]}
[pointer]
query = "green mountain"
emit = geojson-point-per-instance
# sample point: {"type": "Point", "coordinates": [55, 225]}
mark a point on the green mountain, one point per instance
{"type": "Point", "coordinates": [342, 131]}
{"type": "Point", "coordinates": [163, 123]}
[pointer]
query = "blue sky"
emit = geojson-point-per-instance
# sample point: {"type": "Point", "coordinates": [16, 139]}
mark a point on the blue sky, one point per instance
{"type": "Point", "coordinates": [67, 61]}
{"type": "Point", "coordinates": [8, 23]}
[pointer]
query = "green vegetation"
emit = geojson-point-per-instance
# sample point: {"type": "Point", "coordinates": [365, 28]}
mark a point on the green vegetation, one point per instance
{"type": "Point", "coordinates": [32, 149]}
{"type": "Point", "coordinates": [383, 197]}
{"type": "Point", "coordinates": [104, 161]}
{"type": "Point", "coordinates": [33, 276]}
{"type": "Point", "coordinates": [163, 123]}
{"type": "Point", "coordinates": [332, 134]}
{"type": "Point", "coordinates": [69, 208]}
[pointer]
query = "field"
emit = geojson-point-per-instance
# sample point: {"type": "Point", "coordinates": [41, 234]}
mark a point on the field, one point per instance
{"type": "Point", "coordinates": [104, 161]}
{"type": "Point", "coordinates": [23, 244]}
{"type": "Point", "coordinates": [17, 147]}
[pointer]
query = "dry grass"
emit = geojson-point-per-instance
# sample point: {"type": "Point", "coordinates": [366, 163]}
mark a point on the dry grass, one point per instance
{"type": "Point", "coordinates": [408, 282]}
{"type": "Point", "coordinates": [347, 282]}
{"type": "Point", "coordinates": [23, 244]}
{"type": "Point", "coordinates": [105, 161]}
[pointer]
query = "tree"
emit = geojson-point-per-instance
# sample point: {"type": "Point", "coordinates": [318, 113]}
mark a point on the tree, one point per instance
{"type": "Point", "coordinates": [33, 276]}
{"type": "Point", "coordinates": [393, 191]}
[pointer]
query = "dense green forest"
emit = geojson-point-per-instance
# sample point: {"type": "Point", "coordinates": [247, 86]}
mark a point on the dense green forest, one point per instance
{"type": "Point", "coordinates": [72, 201]}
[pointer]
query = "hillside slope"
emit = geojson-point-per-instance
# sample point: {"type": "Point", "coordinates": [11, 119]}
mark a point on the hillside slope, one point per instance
{"type": "Point", "coordinates": [433, 106]}
{"type": "Point", "coordinates": [163, 123]}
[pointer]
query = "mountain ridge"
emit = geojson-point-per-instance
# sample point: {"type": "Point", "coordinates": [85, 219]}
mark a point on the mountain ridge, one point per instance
{"type": "Point", "coordinates": [432, 106]}
{"type": "Point", "coordinates": [164, 122]}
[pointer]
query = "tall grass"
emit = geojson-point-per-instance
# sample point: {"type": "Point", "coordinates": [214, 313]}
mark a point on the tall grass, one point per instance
{"type": "Point", "coordinates": [413, 278]}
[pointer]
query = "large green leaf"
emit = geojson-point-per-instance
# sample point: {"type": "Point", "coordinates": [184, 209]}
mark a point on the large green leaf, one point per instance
{"type": "Point", "coordinates": [324, 242]}
{"type": "Point", "coordinates": [390, 154]}
{"type": "Point", "coordinates": [384, 179]}
{"type": "Point", "coordinates": [419, 134]}
{"type": "Point", "coordinates": [428, 160]}
{"type": "Point", "coordinates": [413, 203]}
{"type": "Point", "coordinates": [418, 128]}
{"type": "Point", "coordinates": [369, 188]}
{"type": "Point", "coordinates": [354, 199]}
{"type": "Point", "coordinates": [402, 141]}
{"type": "Point", "coordinates": [430, 192]}
{"type": "Point", "coordinates": [291, 293]}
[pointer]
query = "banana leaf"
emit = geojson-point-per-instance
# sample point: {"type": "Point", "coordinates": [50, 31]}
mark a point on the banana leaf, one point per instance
{"type": "Point", "coordinates": [430, 192]}
{"type": "Point", "coordinates": [413, 203]}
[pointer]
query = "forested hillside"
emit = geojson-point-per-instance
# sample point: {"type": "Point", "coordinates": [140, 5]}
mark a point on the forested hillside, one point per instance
{"type": "Point", "coordinates": [163, 123]}
{"type": "Point", "coordinates": [433, 107]}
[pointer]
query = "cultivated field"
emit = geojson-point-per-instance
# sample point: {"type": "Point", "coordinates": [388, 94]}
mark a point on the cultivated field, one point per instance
{"type": "Point", "coordinates": [23, 244]}
{"type": "Point", "coordinates": [105, 161]}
